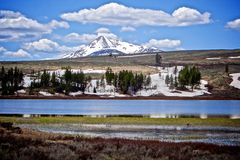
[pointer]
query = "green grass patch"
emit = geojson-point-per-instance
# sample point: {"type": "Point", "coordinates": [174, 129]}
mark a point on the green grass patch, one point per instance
{"type": "Point", "coordinates": [123, 120]}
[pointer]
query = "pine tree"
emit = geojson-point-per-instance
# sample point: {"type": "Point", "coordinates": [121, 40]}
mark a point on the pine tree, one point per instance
{"type": "Point", "coordinates": [194, 77]}
{"type": "Point", "coordinates": [148, 81]}
{"type": "Point", "coordinates": [94, 90]}
{"type": "Point", "coordinates": [53, 79]}
{"type": "Point", "coordinates": [183, 77]}
{"type": "Point", "coordinates": [102, 82]}
{"type": "Point", "coordinates": [158, 59]}
{"type": "Point", "coordinates": [175, 82]}
{"type": "Point", "coordinates": [167, 80]}
{"type": "Point", "coordinates": [109, 76]}
{"type": "Point", "coordinates": [171, 86]}
{"type": "Point", "coordinates": [68, 76]}
{"type": "Point", "coordinates": [97, 83]}
{"type": "Point", "coordinates": [4, 81]}
{"type": "Point", "coordinates": [45, 79]}
{"type": "Point", "coordinates": [115, 80]}
{"type": "Point", "coordinates": [175, 70]}
{"type": "Point", "coordinates": [226, 68]}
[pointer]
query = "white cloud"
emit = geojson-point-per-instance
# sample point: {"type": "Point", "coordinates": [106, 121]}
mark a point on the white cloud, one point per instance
{"type": "Point", "coordinates": [120, 15]}
{"type": "Point", "coordinates": [128, 29]}
{"type": "Point", "coordinates": [2, 49]}
{"type": "Point", "coordinates": [105, 32]}
{"type": "Point", "coordinates": [48, 46]}
{"type": "Point", "coordinates": [16, 27]}
{"type": "Point", "coordinates": [87, 38]}
{"type": "Point", "coordinates": [163, 44]}
{"type": "Point", "coordinates": [235, 24]}
{"type": "Point", "coordinates": [81, 38]}
{"type": "Point", "coordinates": [19, 54]}
{"type": "Point", "coordinates": [58, 24]}
{"type": "Point", "coordinates": [102, 30]}
{"type": "Point", "coordinates": [43, 45]}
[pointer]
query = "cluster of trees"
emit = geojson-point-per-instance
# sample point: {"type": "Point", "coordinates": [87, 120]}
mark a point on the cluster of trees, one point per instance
{"type": "Point", "coordinates": [10, 80]}
{"type": "Point", "coordinates": [126, 81]}
{"type": "Point", "coordinates": [190, 76]}
{"type": "Point", "coordinates": [68, 82]}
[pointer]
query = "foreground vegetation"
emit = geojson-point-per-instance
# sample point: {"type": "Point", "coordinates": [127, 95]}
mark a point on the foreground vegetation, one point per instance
{"type": "Point", "coordinates": [123, 120]}
{"type": "Point", "coordinates": [22, 144]}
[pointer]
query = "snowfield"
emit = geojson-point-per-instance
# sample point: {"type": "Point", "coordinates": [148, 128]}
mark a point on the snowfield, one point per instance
{"type": "Point", "coordinates": [235, 83]}
{"type": "Point", "coordinates": [234, 57]}
{"type": "Point", "coordinates": [159, 87]}
{"type": "Point", "coordinates": [213, 58]}
{"type": "Point", "coordinates": [45, 93]}
{"type": "Point", "coordinates": [156, 87]}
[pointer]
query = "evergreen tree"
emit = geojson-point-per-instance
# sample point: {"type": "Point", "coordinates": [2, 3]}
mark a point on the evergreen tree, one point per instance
{"type": "Point", "coordinates": [175, 70]}
{"type": "Point", "coordinates": [171, 86]}
{"type": "Point", "coordinates": [68, 76]}
{"type": "Point", "coordinates": [115, 80]}
{"type": "Point", "coordinates": [167, 80]}
{"type": "Point", "coordinates": [45, 79]}
{"type": "Point", "coordinates": [10, 81]}
{"type": "Point", "coordinates": [158, 59]}
{"type": "Point", "coordinates": [53, 79]}
{"type": "Point", "coordinates": [102, 82]}
{"type": "Point", "coordinates": [4, 81]}
{"type": "Point", "coordinates": [183, 77]}
{"type": "Point", "coordinates": [175, 82]}
{"type": "Point", "coordinates": [194, 77]}
{"type": "Point", "coordinates": [109, 76]}
{"type": "Point", "coordinates": [189, 76]}
{"type": "Point", "coordinates": [226, 68]}
{"type": "Point", "coordinates": [148, 81]}
{"type": "Point", "coordinates": [94, 90]}
{"type": "Point", "coordinates": [97, 83]}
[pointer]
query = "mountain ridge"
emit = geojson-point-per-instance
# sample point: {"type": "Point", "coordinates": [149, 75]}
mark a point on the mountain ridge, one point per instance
{"type": "Point", "coordinates": [102, 46]}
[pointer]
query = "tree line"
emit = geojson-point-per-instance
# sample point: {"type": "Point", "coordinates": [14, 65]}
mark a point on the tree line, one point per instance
{"type": "Point", "coordinates": [68, 82]}
{"type": "Point", "coordinates": [11, 80]}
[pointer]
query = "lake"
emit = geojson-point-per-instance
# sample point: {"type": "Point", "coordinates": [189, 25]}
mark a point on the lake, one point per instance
{"type": "Point", "coordinates": [121, 107]}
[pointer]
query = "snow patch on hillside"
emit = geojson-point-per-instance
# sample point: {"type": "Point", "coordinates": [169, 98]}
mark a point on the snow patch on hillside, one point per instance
{"type": "Point", "coordinates": [235, 83]}
{"type": "Point", "coordinates": [213, 58]}
{"type": "Point", "coordinates": [234, 57]}
{"type": "Point", "coordinates": [45, 93]}
{"type": "Point", "coordinates": [158, 85]}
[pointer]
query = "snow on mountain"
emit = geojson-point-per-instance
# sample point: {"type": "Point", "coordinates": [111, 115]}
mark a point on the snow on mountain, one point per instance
{"type": "Point", "coordinates": [106, 46]}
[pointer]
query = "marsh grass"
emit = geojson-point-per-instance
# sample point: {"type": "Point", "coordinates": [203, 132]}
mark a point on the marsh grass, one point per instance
{"type": "Point", "coordinates": [123, 120]}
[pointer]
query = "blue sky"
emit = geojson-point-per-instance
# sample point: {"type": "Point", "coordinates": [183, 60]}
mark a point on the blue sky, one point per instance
{"type": "Point", "coordinates": [48, 29]}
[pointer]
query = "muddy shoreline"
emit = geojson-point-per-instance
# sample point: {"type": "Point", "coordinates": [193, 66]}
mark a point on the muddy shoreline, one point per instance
{"type": "Point", "coordinates": [17, 143]}
{"type": "Point", "coordinates": [82, 97]}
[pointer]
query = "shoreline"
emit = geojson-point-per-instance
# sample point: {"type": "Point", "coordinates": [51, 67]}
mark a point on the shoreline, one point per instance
{"type": "Point", "coordinates": [20, 143]}
{"type": "Point", "coordinates": [93, 97]}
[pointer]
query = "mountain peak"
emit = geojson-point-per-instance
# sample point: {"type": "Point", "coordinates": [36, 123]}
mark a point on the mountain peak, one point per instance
{"type": "Point", "coordinates": [103, 45]}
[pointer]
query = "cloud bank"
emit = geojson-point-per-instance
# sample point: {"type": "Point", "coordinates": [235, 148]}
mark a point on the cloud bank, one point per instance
{"type": "Point", "coordinates": [120, 15]}
{"type": "Point", "coordinates": [16, 27]}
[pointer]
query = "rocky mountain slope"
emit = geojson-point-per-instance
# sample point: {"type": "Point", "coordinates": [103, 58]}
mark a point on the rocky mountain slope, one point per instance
{"type": "Point", "coordinates": [109, 46]}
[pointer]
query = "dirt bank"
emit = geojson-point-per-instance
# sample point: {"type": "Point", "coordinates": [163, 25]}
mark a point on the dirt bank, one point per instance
{"type": "Point", "coordinates": [207, 97]}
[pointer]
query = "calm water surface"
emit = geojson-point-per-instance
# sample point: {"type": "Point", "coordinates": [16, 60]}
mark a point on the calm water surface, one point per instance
{"type": "Point", "coordinates": [120, 107]}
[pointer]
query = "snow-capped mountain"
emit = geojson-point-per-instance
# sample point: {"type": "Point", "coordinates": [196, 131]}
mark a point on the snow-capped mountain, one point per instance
{"type": "Point", "coordinates": [106, 46]}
